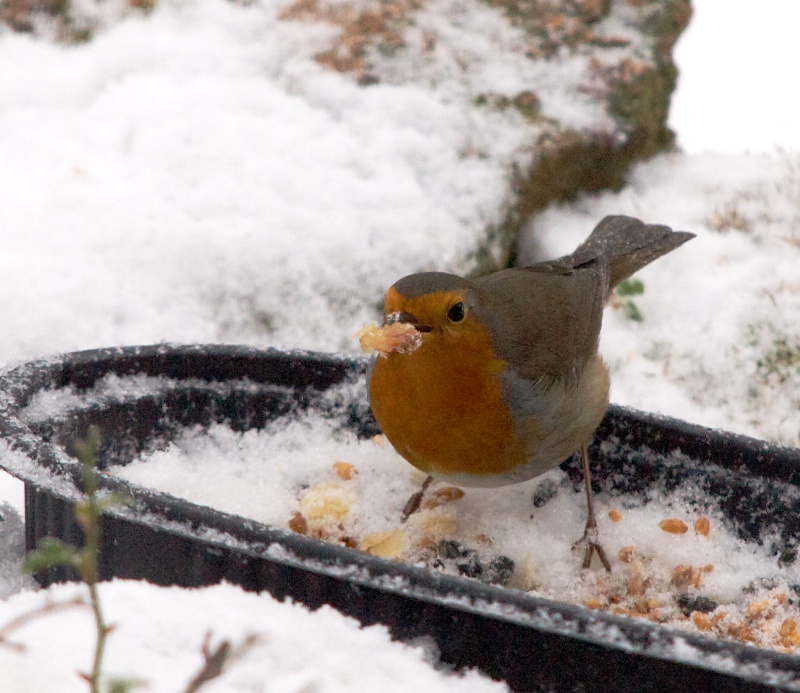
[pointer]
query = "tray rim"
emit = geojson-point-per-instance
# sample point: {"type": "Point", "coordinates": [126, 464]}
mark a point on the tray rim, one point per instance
{"type": "Point", "coordinates": [19, 382]}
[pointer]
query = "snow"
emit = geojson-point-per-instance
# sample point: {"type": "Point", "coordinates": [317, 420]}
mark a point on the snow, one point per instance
{"type": "Point", "coordinates": [192, 175]}
{"type": "Point", "coordinates": [294, 649]}
{"type": "Point", "coordinates": [736, 88]}
{"type": "Point", "coordinates": [293, 468]}
{"type": "Point", "coordinates": [185, 153]}
{"type": "Point", "coordinates": [289, 467]}
{"type": "Point", "coordinates": [12, 547]}
{"type": "Point", "coordinates": [54, 404]}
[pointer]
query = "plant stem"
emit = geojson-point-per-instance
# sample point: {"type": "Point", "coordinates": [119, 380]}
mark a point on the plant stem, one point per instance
{"type": "Point", "coordinates": [86, 453]}
{"type": "Point", "coordinates": [102, 632]}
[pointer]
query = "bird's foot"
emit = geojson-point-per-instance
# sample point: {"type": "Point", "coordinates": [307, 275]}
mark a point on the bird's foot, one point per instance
{"type": "Point", "coordinates": [415, 500]}
{"type": "Point", "coordinates": [590, 540]}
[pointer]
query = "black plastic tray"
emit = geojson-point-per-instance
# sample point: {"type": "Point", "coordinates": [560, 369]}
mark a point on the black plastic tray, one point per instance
{"type": "Point", "coordinates": [532, 643]}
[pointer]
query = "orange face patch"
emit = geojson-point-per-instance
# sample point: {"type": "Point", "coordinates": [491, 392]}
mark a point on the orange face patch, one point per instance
{"type": "Point", "coordinates": [442, 406]}
{"type": "Point", "coordinates": [429, 310]}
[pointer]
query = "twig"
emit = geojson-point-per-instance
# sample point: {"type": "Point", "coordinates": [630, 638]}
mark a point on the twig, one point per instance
{"type": "Point", "coordinates": [89, 517]}
{"type": "Point", "coordinates": [52, 551]}
{"type": "Point", "coordinates": [215, 661]}
{"type": "Point", "coordinates": [32, 615]}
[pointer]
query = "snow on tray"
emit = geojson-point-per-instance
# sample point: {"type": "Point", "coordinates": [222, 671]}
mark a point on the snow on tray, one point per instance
{"type": "Point", "coordinates": [57, 403]}
{"type": "Point", "coordinates": [158, 635]}
{"type": "Point", "coordinates": [692, 572]}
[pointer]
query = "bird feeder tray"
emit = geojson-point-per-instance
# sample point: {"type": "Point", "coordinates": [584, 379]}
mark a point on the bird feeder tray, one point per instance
{"type": "Point", "coordinates": [532, 643]}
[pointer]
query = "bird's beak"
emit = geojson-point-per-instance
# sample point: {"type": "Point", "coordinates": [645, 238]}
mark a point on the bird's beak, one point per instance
{"type": "Point", "coordinates": [408, 318]}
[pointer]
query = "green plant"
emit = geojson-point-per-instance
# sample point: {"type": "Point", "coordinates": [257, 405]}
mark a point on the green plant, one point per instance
{"type": "Point", "coordinates": [778, 360]}
{"type": "Point", "coordinates": [624, 293]}
{"type": "Point", "coordinates": [53, 552]}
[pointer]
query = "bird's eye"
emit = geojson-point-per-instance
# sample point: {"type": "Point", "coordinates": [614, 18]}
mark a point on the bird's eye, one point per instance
{"type": "Point", "coordinates": [456, 312]}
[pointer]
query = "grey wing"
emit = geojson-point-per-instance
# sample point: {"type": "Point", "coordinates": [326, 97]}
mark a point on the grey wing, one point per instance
{"type": "Point", "coordinates": [546, 318]}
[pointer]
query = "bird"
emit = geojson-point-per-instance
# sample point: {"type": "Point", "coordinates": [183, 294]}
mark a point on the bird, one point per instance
{"type": "Point", "coordinates": [495, 380]}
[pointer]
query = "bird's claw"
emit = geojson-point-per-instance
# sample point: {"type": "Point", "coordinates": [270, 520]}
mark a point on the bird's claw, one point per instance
{"type": "Point", "coordinates": [415, 500]}
{"type": "Point", "coordinates": [412, 505]}
{"type": "Point", "coordinates": [590, 540]}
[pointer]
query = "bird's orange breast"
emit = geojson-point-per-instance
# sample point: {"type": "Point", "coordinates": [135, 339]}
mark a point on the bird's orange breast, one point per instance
{"type": "Point", "coordinates": [442, 406]}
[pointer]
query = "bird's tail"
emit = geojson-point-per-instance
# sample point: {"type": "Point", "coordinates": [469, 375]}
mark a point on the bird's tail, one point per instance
{"type": "Point", "coordinates": [628, 244]}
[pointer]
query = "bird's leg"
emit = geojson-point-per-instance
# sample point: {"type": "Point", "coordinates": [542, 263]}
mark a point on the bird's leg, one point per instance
{"type": "Point", "coordinates": [413, 503]}
{"type": "Point", "coordinates": [590, 534]}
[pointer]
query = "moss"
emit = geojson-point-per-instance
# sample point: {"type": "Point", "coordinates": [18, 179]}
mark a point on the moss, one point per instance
{"type": "Point", "coordinates": [641, 101]}
{"type": "Point", "coordinates": [574, 163]}
{"type": "Point", "coordinates": [643, 104]}
{"type": "Point", "coordinates": [530, 15]}
{"type": "Point", "coordinates": [782, 360]}
{"type": "Point", "coordinates": [526, 102]}
{"type": "Point", "coordinates": [20, 14]}
{"type": "Point", "coordinates": [778, 360]}
{"type": "Point", "coordinates": [82, 35]}
{"type": "Point", "coordinates": [667, 24]}
{"type": "Point", "coordinates": [522, 13]}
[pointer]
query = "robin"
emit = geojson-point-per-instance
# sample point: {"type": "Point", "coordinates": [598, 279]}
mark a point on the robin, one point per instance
{"type": "Point", "coordinates": [496, 380]}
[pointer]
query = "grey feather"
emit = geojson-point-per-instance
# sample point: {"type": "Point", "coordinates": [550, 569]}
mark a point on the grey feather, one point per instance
{"type": "Point", "coordinates": [429, 282]}
{"type": "Point", "coordinates": [546, 318]}
{"type": "Point", "coordinates": [628, 244]}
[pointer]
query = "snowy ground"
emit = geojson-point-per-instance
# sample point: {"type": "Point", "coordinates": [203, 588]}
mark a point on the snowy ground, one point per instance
{"type": "Point", "coordinates": [292, 650]}
{"type": "Point", "coordinates": [115, 235]}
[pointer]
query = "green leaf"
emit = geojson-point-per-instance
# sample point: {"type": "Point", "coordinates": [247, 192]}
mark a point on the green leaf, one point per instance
{"type": "Point", "coordinates": [51, 552]}
{"type": "Point", "coordinates": [83, 514]}
{"type": "Point", "coordinates": [632, 311]}
{"type": "Point", "coordinates": [630, 287]}
{"type": "Point", "coordinates": [124, 685]}
{"type": "Point", "coordinates": [87, 447]}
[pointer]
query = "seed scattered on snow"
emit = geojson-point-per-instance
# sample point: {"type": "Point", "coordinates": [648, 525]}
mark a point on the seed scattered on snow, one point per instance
{"type": "Point", "coordinates": [634, 585]}
{"type": "Point", "coordinates": [702, 526]}
{"type": "Point", "coordinates": [298, 523]}
{"type": "Point", "coordinates": [673, 526]}
{"type": "Point", "coordinates": [344, 470]}
{"type": "Point", "coordinates": [440, 496]}
{"type": "Point", "coordinates": [681, 576]}
{"type": "Point", "coordinates": [702, 621]}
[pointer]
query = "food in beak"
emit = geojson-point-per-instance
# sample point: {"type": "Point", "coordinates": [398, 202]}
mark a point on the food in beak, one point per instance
{"type": "Point", "coordinates": [400, 337]}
